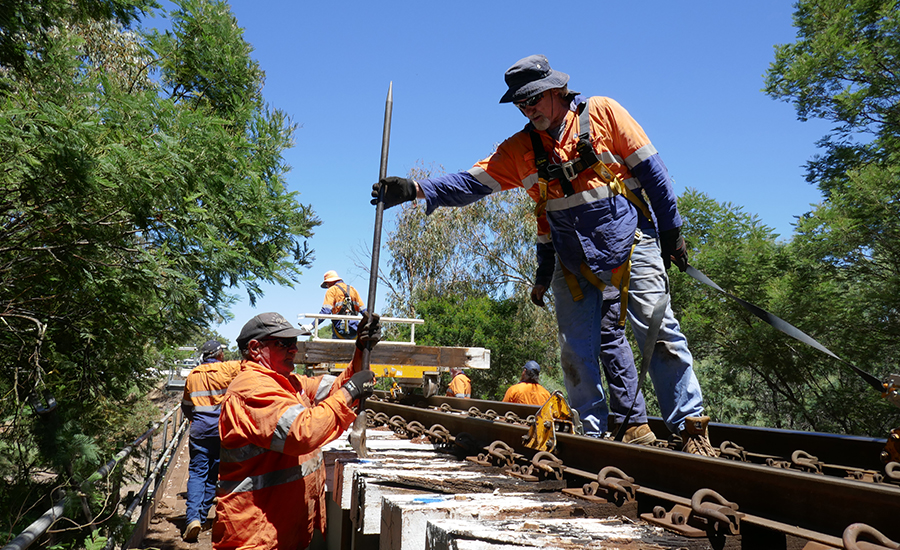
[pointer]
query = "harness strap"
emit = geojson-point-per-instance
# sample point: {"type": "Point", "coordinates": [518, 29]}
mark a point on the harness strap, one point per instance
{"type": "Point", "coordinates": [343, 322]}
{"type": "Point", "coordinates": [621, 278]}
{"type": "Point", "coordinates": [566, 172]}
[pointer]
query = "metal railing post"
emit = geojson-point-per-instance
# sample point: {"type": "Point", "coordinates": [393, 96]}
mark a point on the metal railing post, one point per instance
{"type": "Point", "coordinates": [149, 451]}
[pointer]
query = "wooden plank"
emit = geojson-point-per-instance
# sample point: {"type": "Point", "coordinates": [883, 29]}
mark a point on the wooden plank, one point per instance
{"type": "Point", "coordinates": [337, 351]}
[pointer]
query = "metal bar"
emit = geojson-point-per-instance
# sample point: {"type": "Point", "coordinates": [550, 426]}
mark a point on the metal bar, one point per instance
{"type": "Point", "coordinates": [38, 528]}
{"type": "Point", "coordinates": [402, 320]}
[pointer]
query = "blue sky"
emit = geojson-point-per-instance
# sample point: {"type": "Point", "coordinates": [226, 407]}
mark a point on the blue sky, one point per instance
{"type": "Point", "coordinates": [689, 73]}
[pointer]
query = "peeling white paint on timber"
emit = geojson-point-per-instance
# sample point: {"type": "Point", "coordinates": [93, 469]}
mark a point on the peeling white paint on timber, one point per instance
{"type": "Point", "coordinates": [563, 534]}
{"type": "Point", "coordinates": [404, 518]}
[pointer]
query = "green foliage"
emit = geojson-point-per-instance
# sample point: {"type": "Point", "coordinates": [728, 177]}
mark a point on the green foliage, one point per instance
{"type": "Point", "coordinates": [473, 267]}
{"type": "Point", "coordinates": [844, 68]}
{"type": "Point", "coordinates": [751, 373]}
{"type": "Point", "coordinates": [142, 178]}
{"type": "Point", "coordinates": [473, 319]}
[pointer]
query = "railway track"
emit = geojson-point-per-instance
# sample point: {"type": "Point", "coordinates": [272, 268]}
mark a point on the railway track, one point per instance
{"type": "Point", "coordinates": [770, 487]}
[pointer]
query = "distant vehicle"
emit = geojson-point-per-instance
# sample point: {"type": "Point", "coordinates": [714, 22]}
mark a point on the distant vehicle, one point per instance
{"type": "Point", "coordinates": [185, 366]}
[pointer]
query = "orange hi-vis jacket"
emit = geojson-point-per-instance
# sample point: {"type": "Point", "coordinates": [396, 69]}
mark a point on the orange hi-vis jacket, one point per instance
{"type": "Point", "coordinates": [595, 225]}
{"type": "Point", "coordinates": [528, 393]}
{"type": "Point", "coordinates": [204, 391]}
{"type": "Point", "coordinates": [271, 491]}
{"type": "Point", "coordinates": [460, 386]}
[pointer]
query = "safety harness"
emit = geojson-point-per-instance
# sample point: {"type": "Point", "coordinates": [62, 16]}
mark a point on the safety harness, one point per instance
{"type": "Point", "coordinates": [345, 307]}
{"type": "Point", "coordinates": [565, 173]}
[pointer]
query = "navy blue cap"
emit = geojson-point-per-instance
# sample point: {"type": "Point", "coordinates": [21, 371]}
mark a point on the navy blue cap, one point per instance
{"type": "Point", "coordinates": [266, 324]}
{"type": "Point", "coordinates": [533, 367]}
{"type": "Point", "coordinates": [530, 76]}
{"type": "Point", "coordinates": [210, 349]}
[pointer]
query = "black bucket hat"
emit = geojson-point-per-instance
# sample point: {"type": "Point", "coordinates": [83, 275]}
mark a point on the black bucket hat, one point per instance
{"type": "Point", "coordinates": [529, 76]}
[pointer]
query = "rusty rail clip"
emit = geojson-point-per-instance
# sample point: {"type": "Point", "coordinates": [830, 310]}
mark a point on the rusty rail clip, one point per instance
{"type": "Point", "coordinates": [675, 520]}
{"type": "Point", "coordinates": [380, 418]}
{"type": "Point", "coordinates": [414, 429]}
{"type": "Point", "coordinates": [439, 434]}
{"type": "Point", "coordinates": [721, 514]}
{"type": "Point", "coordinates": [853, 533]}
{"type": "Point", "coordinates": [806, 462]}
{"type": "Point", "coordinates": [709, 515]}
{"type": "Point", "coordinates": [547, 466]}
{"type": "Point", "coordinates": [397, 424]}
{"type": "Point", "coordinates": [729, 449]}
{"type": "Point", "coordinates": [612, 485]}
{"type": "Point", "coordinates": [512, 418]}
{"type": "Point", "coordinates": [497, 453]}
{"type": "Point", "coordinates": [618, 485]}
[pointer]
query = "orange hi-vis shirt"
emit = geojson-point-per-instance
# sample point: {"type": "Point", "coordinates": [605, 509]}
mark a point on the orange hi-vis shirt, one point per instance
{"type": "Point", "coordinates": [460, 386]}
{"type": "Point", "coordinates": [335, 295]}
{"type": "Point", "coordinates": [204, 391]}
{"type": "Point", "coordinates": [527, 393]}
{"type": "Point", "coordinates": [271, 491]}
{"type": "Point", "coordinates": [620, 142]}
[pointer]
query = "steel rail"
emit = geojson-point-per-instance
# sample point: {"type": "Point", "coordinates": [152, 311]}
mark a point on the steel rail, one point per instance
{"type": "Point", "coordinates": [848, 451]}
{"type": "Point", "coordinates": [810, 503]}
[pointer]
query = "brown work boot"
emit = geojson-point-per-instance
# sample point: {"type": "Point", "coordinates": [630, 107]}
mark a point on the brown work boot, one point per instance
{"type": "Point", "coordinates": [638, 434]}
{"type": "Point", "coordinates": [191, 531]}
{"type": "Point", "coordinates": [694, 437]}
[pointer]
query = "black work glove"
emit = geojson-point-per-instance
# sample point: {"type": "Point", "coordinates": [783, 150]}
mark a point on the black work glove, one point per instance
{"type": "Point", "coordinates": [369, 331]}
{"type": "Point", "coordinates": [396, 191]}
{"type": "Point", "coordinates": [673, 248]}
{"type": "Point", "coordinates": [537, 295]}
{"type": "Point", "coordinates": [361, 384]}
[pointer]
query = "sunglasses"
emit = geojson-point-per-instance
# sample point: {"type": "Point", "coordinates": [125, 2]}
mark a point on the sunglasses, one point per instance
{"type": "Point", "coordinates": [284, 343]}
{"type": "Point", "coordinates": [530, 102]}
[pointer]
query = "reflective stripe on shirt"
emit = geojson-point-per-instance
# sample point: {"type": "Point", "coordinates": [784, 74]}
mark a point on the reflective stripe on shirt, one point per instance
{"type": "Point", "coordinates": [283, 428]}
{"type": "Point", "coordinates": [325, 387]}
{"type": "Point", "coordinates": [241, 453]}
{"type": "Point", "coordinates": [271, 479]}
{"type": "Point", "coordinates": [485, 179]}
{"type": "Point", "coordinates": [207, 393]}
{"type": "Point", "coordinates": [640, 156]}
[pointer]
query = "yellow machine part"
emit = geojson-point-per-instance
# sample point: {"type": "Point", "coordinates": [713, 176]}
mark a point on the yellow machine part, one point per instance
{"type": "Point", "coordinates": [891, 452]}
{"type": "Point", "coordinates": [396, 371]}
{"type": "Point", "coordinates": [553, 415]}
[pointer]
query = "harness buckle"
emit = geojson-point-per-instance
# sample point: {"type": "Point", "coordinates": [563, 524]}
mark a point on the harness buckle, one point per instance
{"type": "Point", "coordinates": [568, 169]}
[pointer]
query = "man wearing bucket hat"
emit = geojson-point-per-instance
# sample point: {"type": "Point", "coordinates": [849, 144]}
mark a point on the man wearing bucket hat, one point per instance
{"type": "Point", "coordinates": [606, 209]}
{"type": "Point", "coordinates": [341, 299]}
{"type": "Point", "coordinates": [529, 389]}
{"type": "Point", "coordinates": [273, 423]}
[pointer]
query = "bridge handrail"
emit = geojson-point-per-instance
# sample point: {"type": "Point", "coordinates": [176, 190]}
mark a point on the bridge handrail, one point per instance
{"type": "Point", "coordinates": [38, 528]}
{"type": "Point", "coordinates": [316, 317]}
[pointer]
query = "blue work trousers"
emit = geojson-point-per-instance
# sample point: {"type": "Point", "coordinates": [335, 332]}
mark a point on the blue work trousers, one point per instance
{"type": "Point", "coordinates": [588, 330]}
{"type": "Point", "coordinates": [203, 474]}
{"type": "Point", "coordinates": [671, 366]}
